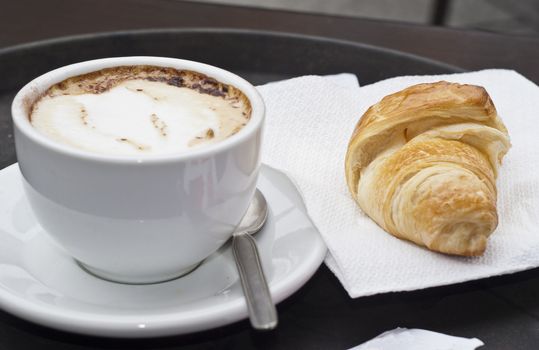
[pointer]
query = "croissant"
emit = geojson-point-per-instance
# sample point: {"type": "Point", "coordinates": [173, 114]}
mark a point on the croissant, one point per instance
{"type": "Point", "coordinates": [422, 163]}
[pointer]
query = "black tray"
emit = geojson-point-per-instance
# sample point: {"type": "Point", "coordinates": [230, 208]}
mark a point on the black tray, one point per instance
{"type": "Point", "coordinates": [259, 57]}
{"type": "Point", "coordinates": [320, 315]}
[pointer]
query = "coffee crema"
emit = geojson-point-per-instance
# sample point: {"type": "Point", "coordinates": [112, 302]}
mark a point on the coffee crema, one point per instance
{"type": "Point", "coordinates": [133, 110]}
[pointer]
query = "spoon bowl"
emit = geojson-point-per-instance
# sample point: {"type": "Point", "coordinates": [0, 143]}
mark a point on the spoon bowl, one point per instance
{"type": "Point", "coordinates": [255, 217]}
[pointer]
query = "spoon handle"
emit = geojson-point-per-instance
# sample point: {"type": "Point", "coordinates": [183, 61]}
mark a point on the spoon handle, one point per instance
{"type": "Point", "coordinates": [262, 312]}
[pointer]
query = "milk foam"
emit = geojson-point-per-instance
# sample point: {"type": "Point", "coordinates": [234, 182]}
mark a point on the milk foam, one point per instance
{"type": "Point", "coordinates": [139, 117]}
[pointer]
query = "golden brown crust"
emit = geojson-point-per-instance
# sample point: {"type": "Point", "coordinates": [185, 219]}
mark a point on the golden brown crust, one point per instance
{"type": "Point", "coordinates": [422, 164]}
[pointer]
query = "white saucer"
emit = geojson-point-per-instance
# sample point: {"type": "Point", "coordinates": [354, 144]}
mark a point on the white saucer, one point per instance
{"type": "Point", "coordinates": [41, 283]}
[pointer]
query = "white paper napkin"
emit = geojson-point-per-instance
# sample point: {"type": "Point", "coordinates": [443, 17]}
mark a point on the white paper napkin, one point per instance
{"type": "Point", "coordinates": [418, 339]}
{"type": "Point", "coordinates": [309, 122]}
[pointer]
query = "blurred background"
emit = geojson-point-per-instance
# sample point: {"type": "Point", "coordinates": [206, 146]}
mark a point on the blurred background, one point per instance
{"type": "Point", "coordinates": [503, 16]}
{"type": "Point", "coordinates": [472, 34]}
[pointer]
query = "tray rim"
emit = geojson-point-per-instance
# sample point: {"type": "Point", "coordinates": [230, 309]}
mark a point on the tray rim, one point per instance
{"type": "Point", "coordinates": [223, 30]}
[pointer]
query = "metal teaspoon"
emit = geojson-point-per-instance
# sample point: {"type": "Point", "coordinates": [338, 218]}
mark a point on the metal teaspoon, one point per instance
{"type": "Point", "coordinates": [262, 312]}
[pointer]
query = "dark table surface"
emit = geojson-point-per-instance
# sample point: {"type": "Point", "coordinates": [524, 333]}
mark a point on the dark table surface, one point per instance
{"type": "Point", "coordinates": [502, 311]}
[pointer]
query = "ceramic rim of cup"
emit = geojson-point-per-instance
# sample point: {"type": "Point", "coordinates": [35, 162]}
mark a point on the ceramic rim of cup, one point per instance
{"type": "Point", "coordinates": [35, 88]}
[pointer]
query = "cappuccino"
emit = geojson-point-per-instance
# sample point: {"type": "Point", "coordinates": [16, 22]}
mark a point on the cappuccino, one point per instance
{"type": "Point", "coordinates": [133, 110]}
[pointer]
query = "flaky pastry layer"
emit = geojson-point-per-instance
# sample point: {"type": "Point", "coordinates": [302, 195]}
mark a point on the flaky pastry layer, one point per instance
{"type": "Point", "coordinates": [422, 163]}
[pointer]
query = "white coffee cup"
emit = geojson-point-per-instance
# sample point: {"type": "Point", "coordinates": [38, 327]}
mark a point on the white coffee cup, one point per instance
{"type": "Point", "coordinates": [138, 219]}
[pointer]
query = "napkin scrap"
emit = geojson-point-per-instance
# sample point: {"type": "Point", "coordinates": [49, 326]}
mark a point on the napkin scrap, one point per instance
{"type": "Point", "coordinates": [418, 339]}
{"type": "Point", "coordinates": [308, 125]}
